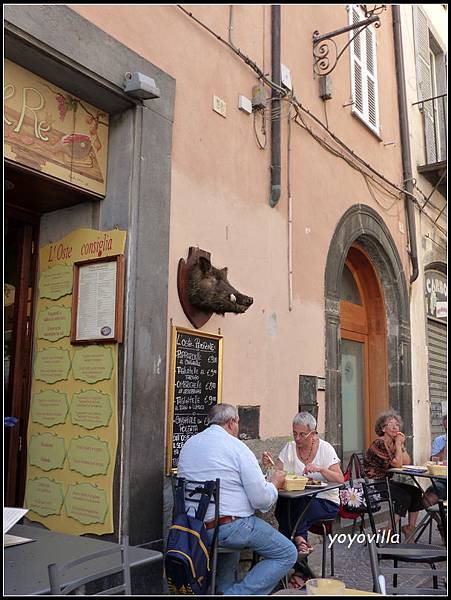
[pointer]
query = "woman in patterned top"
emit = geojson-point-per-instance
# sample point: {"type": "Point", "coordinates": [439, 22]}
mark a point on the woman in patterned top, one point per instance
{"type": "Point", "coordinates": [389, 451]}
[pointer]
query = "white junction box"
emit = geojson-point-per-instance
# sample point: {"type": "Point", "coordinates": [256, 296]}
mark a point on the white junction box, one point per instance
{"type": "Point", "coordinates": [219, 106]}
{"type": "Point", "coordinates": [245, 104]}
{"type": "Point", "coordinates": [285, 74]}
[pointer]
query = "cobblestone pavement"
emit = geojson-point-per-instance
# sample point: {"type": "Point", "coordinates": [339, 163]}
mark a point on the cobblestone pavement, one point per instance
{"type": "Point", "coordinates": [352, 565]}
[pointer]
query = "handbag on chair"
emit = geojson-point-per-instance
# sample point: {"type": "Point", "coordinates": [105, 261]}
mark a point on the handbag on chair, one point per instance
{"type": "Point", "coordinates": [352, 497]}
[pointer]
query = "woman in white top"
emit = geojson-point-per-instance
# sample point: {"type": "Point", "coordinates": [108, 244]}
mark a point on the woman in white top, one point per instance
{"type": "Point", "coordinates": [307, 455]}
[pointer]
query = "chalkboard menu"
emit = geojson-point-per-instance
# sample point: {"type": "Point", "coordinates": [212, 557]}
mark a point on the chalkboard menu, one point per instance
{"type": "Point", "coordinates": [195, 382]}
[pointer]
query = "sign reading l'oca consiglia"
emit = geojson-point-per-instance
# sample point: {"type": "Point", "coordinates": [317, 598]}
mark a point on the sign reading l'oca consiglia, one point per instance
{"type": "Point", "coordinates": [436, 294]}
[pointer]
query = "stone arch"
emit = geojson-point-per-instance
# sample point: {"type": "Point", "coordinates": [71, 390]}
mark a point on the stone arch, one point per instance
{"type": "Point", "coordinates": [363, 225]}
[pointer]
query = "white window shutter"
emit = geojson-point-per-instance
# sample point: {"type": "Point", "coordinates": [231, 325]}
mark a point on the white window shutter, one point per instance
{"type": "Point", "coordinates": [364, 71]}
{"type": "Point", "coordinates": [424, 87]}
{"type": "Point", "coordinates": [371, 65]}
{"type": "Point", "coordinates": [424, 80]}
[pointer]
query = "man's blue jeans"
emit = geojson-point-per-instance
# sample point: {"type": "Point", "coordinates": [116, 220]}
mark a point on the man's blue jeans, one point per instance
{"type": "Point", "coordinates": [278, 553]}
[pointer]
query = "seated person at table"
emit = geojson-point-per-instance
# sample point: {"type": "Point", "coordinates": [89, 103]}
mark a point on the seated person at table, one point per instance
{"type": "Point", "coordinates": [439, 453]}
{"type": "Point", "coordinates": [386, 452]}
{"type": "Point", "coordinates": [318, 460]}
{"type": "Point", "coordinates": [217, 452]}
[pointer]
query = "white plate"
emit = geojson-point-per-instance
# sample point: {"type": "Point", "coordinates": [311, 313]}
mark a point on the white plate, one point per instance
{"type": "Point", "coordinates": [414, 468]}
{"type": "Point", "coordinates": [316, 485]}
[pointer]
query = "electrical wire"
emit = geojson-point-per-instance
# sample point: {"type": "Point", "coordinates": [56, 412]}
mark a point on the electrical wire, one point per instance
{"type": "Point", "coordinates": [299, 107]}
{"type": "Point", "coordinates": [263, 129]}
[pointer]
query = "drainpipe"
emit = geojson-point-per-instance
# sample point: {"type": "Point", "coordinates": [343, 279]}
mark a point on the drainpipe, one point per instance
{"type": "Point", "coordinates": [405, 140]}
{"type": "Point", "coordinates": [275, 106]}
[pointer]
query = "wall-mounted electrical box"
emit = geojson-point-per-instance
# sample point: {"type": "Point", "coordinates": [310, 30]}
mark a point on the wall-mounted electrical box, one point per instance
{"type": "Point", "coordinates": [285, 76]}
{"type": "Point", "coordinates": [245, 104]}
{"type": "Point", "coordinates": [325, 87]}
{"type": "Point", "coordinates": [258, 97]}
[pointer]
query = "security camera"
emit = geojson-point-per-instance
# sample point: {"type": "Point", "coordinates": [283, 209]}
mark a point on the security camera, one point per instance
{"type": "Point", "coordinates": [140, 86]}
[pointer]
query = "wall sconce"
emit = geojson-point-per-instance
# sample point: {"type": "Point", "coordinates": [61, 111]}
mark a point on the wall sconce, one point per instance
{"type": "Point", "coordinates": [140, 86]}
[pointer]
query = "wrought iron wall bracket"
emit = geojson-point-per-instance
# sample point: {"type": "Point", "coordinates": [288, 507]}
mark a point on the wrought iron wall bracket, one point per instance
{"type": "Point", "coordinates": [324, 62]}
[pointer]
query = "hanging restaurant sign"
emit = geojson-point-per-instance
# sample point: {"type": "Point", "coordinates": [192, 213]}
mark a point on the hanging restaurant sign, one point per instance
{"type": "Point", "coordinates": [53, 132]}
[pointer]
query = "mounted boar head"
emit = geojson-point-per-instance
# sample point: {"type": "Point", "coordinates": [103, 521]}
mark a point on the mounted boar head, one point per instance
{"type": "Point", "coordinates": [204, 290]}
{"type": "Point", "coordinates": [210, 290]}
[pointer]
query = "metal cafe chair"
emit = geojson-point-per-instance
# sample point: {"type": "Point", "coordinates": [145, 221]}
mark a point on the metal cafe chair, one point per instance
{"type": "Point", "coordinates": [191, 489]}
{"type": "Point", "coordinates": [192, 494]}
{"type": "Point", "coordinates": [379, 571]}
{"type": "Point", "coordinates": [429, 521]}
{"type": "Point", "coordinates": [324, 528]}
{"type": "Point", "coordinates": [58, 572]}
{"type": "Point", "coordinates": [377, 492]}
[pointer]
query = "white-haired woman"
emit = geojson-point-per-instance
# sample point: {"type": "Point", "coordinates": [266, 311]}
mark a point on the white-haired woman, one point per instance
{"type": "Point", "coordinates": [318, 460]}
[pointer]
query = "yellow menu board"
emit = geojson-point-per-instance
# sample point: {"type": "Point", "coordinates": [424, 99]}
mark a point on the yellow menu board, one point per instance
{"type": "Point", "coordinates": [73, 423]}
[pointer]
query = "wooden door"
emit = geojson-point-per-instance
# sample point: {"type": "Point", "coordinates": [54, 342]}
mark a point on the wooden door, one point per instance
{"type": "Point", "coordinates": [363, 352]}
{"type": "Point", "coordinates": [19, 275]}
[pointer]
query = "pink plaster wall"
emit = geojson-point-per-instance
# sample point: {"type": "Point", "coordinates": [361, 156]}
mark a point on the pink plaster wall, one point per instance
{"type": "Point", "coordinates": [220, 182]}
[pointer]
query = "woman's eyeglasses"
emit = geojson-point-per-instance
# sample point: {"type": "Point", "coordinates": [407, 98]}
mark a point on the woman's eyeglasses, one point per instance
{"type": "Point", "coordinates": [302, 434]}
{"type": "Point", "coordinates": [392, 424]}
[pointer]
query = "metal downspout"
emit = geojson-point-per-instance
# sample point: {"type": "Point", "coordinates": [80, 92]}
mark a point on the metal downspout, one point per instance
{"type": "Point", "coordinates": [275, 106]}
{"type": "Point", "coordinates": [405, 140]}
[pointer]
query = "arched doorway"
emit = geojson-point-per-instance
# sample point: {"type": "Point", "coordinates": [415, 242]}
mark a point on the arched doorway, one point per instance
{"type": "Point", "coordinates": [364, 389]}
{"type": "Point", "coordinates": [363, 244]}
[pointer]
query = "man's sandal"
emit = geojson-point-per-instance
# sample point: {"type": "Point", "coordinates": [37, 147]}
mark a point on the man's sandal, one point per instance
{"type": "Point", "coordinates": [296, 581]}
{"type": "Point", "coordinates": [304, 548]}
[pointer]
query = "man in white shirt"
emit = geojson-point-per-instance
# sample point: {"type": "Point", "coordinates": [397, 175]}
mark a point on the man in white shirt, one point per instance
{"type": "Point", "coordinates": [438, 491]}
{"type": "Point", "coordinates": [215, 453]}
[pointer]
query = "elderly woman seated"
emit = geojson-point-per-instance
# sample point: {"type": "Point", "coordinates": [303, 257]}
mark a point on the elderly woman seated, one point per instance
{"type": "Point", "coordinates": [318, 460]}
{"type": "Point", "coordinates": [388, 451]}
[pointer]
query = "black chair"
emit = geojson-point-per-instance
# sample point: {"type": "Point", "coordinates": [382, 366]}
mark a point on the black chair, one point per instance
{"type": "Point", "coordinates": [379, 571]}
{"type": "Point", "coordinates": [324, 528]}
{"type": "Point", "coordinates": [59, 572]}
{"type": "Point", "coordinates": [429, 520]}
{"type": "Point", "coordinates": [377, 493]}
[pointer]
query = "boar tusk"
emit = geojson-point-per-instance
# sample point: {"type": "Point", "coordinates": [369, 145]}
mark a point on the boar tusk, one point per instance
{"type": "Point", "coordinates": [232, 298]}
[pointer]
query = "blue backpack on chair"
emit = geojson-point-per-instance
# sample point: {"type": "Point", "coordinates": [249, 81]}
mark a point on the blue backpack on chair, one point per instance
{"type": "Point", "coordinates": [187, 557]}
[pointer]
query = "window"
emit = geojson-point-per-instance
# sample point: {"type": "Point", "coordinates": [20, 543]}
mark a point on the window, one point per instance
{"type": "Point", "coordinates": [364, 71]}
{"type": "Point", "coordinates": [349, 290]}
{"type": "Point", "coordinates": [430, 63]}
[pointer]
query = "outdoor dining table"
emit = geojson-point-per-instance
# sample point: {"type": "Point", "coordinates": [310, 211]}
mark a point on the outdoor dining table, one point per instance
{"type": "Point", "coordinates": [308, 492]}
{"type": "Point", "coordinates": [347, 592]}
{"type": "Point", "coordinates": [25, 565]}
{"type": "Point", "coordinates": [441, 508]}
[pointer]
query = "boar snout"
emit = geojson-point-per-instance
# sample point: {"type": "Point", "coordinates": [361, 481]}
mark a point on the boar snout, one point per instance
{"type": "Point", "coordinates": [242, 302]}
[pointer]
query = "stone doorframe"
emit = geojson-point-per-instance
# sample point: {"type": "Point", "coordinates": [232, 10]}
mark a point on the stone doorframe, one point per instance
{"type": "Point", "coordinates": [362, 225]}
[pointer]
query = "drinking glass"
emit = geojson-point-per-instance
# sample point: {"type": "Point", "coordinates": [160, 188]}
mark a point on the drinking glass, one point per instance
{"type": "Point", "coordinates": [325, 587]}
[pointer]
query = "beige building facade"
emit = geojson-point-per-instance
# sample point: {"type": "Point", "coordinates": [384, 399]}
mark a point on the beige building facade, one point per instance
{"type": "Point", "coordinates": [311, 223]}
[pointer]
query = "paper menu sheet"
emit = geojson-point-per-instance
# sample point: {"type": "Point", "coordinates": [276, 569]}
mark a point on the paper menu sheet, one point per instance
{"type": "Point", "coordinates": [14, 540]}
{"type": "Point", "coordinates": [11, 516]}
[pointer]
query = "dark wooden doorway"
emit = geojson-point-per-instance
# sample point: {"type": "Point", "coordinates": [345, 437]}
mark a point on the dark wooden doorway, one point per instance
{"type": "Point", "coordinates": [20, 245]}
